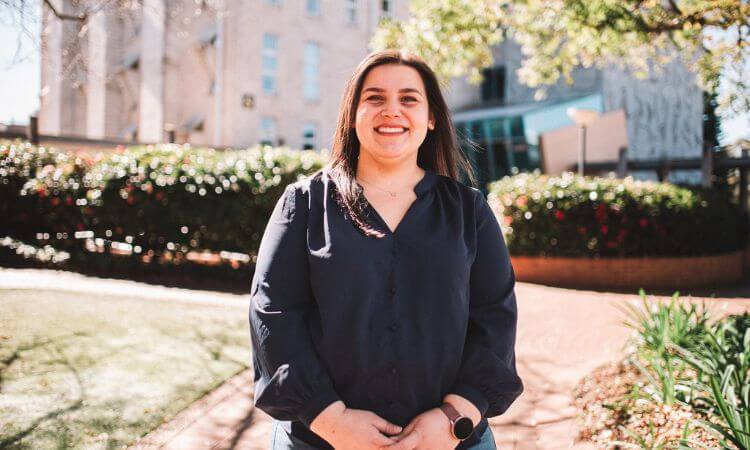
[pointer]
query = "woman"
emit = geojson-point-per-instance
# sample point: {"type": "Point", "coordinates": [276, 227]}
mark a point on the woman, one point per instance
{"type": "Point", "coordinates": [382, 309]}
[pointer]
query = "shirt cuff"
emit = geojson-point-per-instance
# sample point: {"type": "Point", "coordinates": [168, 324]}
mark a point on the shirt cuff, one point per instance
{"type": "Point", "coordinates": [473, 395]}
{"type": "Point", "coordinates": [317, 405]}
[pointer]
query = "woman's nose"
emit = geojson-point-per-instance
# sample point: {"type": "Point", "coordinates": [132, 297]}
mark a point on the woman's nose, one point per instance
{"type": "Point", "coordinates": [390, 110]}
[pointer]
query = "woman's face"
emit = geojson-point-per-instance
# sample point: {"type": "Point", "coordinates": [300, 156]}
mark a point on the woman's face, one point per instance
{"type": "Point", "coordinates": [392, 115]}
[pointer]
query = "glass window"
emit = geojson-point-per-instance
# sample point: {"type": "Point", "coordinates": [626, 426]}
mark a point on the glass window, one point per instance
{"type": "Point", "coordinates": [267, 130]}
{"type": "Point", "coordinates": [309, 133]}
{"type": "Point", "coordinates": [313, 7]}
{"type": "Point", "coordinates": [493, 84]}
{"type": "Point", "coordinates": [270, 62]}
{"type": "Point", "coordinates": [311, 65]}
{"type": "Point", "coordinates": [386, 7]}
{"type": "Point", "coordinates": [351, 11]}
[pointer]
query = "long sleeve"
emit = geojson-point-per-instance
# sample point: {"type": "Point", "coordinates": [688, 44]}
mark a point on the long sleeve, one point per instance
{"type": "Point", "coordinates": [291, 382]}
{"type": "Point", "coordinates": [488, 376]}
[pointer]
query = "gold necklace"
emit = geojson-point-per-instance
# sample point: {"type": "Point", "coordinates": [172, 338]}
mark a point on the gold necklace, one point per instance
{"type": "Point", "coordinates": [392, 194]}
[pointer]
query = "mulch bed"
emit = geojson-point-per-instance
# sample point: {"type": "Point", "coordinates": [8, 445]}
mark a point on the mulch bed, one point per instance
{"type": "Point", "coordinates": [608, 399]}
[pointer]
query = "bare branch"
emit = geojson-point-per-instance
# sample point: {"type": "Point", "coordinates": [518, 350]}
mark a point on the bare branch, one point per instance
{"type": "Point", "coordinates": [62, 16]}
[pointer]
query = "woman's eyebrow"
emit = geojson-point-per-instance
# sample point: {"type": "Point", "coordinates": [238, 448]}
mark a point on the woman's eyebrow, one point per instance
{"type": "Point", "coordinates": [400, 90]}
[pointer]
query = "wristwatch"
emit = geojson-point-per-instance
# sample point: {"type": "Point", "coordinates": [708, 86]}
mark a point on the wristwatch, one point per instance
{"type": "Point", "coordinates": [461, 426]}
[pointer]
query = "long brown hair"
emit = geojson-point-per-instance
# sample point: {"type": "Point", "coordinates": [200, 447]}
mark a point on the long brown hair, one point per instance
{"type": "Point", "coordinates": [439, 152]}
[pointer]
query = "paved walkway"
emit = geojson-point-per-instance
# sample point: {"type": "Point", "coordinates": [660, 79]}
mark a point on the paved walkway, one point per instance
{"type": "Point", "coordinates": [563, 334]}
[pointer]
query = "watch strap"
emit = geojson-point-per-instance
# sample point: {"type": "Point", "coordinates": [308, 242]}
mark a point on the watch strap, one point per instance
{"type": "Point", "coordinates": [450, 411]}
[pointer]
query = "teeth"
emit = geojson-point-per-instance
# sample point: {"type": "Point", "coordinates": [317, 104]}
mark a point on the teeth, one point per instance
{"type": "Point", "coordinates": [390, 129]}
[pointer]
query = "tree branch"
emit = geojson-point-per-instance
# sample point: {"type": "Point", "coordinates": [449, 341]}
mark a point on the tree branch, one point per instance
{"type": "Point", "coordinates": [62, 16]}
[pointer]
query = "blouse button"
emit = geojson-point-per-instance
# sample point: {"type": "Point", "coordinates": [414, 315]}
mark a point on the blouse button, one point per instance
{"type": "Point", "coordinates": [394, 370]}
{"type": "Point", "coordinates": [393, 327]}
{"type": "Point", "coordinates": [393, 289]}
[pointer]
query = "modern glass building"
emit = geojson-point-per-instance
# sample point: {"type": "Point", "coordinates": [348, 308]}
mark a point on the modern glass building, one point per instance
{"type": "Point", "coordinates": [502, 140]}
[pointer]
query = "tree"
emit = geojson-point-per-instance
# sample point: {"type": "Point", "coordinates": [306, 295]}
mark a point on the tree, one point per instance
{"type": "Point", "coordinates": [556, 36]}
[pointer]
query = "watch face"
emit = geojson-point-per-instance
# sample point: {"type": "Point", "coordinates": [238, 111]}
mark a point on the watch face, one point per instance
{"type": "Point", "coordinates": [463, 428]}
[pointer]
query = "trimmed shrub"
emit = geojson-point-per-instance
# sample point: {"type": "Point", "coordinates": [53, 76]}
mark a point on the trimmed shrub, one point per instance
{"type": "Point", "coordinates": [157, 199]}
{"type": "Point", "coordinates": [569, 215]}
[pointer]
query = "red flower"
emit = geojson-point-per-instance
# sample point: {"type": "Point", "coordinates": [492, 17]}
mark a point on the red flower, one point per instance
{"type": "Point", "coordinates": [582, 230]}
{"type": "Point", "coordinates": [611, 244]}
{"type": "Point", "coordinates": [54, 201]}
{"type": "Point", "coordinates": [159, 195]}
{"type": "Point", "coordinates": [522, 200]}
{"type": "Point", "coordinates": [507, 220]}
{"type": "Point", "coordinates": [79, 227]}
{"type": "Point", "coordinates": [68, 200]}
{"type": "Point", "coordinates": [604, 229]}
{"type": "Point", "coordinates": [621, 235]}
{"type": "Point", "coordinates": [601, 213]}
{"type": "Point", "coordinates": [559, 215]}
{"type": "Point", "coordinates": [41, 192]}
{"type": "Point", "coordinates": [643, 222]}
{"type": "Point", "coordinates": [130, 200]}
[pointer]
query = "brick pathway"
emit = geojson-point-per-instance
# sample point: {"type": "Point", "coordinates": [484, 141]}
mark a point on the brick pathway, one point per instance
{"type": "Point", "coordinates": [563, 334]}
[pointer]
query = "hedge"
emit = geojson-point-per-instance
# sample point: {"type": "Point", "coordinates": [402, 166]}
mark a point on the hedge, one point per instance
{"type": "Point", "coordinates": [568, 215]}
{"type": "Point", "coordinates": [157, 199]}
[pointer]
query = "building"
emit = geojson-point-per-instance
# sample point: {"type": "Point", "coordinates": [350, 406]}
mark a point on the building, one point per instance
{"type": "Point", "coordinates": [240, 73]}
{"type": "Point", "coordinates": [663, 114]}
{"type": "Point", "coordinates": [259, 71]}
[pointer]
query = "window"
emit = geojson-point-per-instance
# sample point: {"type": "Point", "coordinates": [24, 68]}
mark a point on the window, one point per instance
{"type": "Point", "coordinates": [351, 11]}
{"type": "Point", "coordinates": [386, 7]}
{"type": "Point", "coordinates": [308, 136]}
{"type": "Point", "coordinates": [311, 64]}
{"type": "Point", "coordinates": [493, 85]}
{"type": "Point", "coordinates": [270, 62]}
{"type": "Point", "coordinates": [313, 7]}
{"type": "Point", "coordinates": [267, 130]}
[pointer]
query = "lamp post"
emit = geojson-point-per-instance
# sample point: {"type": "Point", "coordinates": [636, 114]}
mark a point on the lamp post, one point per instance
{"type": "Point", "coordinates": [583, 118]}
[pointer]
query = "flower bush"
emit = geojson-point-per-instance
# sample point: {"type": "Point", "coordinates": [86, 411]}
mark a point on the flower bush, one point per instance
{"type": "Point", "coordinates": [155, 199]}
{"type": "Point", "coordinates": [569, 215]}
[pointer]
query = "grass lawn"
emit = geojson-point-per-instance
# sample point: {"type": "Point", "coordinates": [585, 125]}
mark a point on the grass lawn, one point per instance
{"type": "Point", "coordinates": [95, 371]}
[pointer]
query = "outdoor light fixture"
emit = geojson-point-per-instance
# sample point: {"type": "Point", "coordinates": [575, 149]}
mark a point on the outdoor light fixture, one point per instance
{"type": "Point", "coordinates": [583, 118]}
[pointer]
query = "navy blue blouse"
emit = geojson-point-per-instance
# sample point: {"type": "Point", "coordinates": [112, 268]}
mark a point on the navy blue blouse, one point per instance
{"type": "Point", "coordinates": [390, 325]}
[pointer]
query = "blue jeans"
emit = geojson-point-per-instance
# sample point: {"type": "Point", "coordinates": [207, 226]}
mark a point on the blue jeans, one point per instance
{"type": "Point", "coordinates": [281, 440]}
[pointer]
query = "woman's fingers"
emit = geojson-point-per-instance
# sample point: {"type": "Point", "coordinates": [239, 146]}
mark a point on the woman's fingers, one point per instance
{"type": "Point", "coordinates": [408, 442]}
{"type": "Point", "coordinates": [383, 441]}
{"type": "Point", "coordinates": [385, 426]}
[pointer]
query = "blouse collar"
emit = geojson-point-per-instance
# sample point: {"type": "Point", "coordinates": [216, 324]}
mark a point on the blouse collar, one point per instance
{"type": "Point", "coordinates": [426, 183]}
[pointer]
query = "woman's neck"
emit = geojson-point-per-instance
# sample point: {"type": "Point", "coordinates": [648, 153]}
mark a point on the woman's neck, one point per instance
{"type": "Point", "coordinates": [397, 176]}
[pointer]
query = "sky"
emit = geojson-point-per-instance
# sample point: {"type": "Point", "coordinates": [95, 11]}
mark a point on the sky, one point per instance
{"type": "Point", "coordinates": [20, 79]}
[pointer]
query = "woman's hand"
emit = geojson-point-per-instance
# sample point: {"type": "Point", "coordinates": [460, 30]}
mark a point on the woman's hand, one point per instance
{"type": "Point", "coordinates": [354, 429]}
{"type": "Point", "coordinates": [429, 430]}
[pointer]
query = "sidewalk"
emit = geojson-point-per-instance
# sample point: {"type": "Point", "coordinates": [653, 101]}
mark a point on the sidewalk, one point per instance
{"type": "Point", "coordinates": [563, 334]}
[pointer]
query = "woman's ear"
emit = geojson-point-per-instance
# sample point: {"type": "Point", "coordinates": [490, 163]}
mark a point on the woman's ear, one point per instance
{"type": "Point", "coordinates": [431, 122]}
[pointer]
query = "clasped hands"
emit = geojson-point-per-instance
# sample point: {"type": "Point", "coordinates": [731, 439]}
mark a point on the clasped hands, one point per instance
{"type": "Point", "coordinates": [357, 429]}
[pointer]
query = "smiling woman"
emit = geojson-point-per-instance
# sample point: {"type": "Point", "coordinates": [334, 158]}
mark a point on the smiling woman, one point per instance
{"type": "Point", "coordinates": [383, 312]}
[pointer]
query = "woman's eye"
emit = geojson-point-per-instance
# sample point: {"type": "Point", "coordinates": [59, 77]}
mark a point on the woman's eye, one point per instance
{"type": "Point", "coordinates": [380, 98]}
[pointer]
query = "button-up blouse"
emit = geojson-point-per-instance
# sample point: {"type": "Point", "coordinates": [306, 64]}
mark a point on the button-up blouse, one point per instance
{"type": "Point", "coordinates": [390, 325]}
